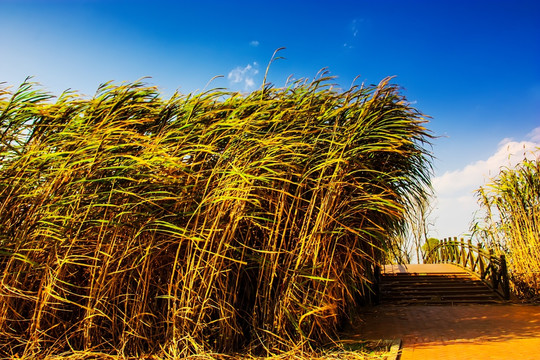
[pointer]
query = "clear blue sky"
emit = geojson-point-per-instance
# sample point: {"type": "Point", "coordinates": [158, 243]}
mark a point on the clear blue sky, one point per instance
{"type": "Point", "coordinates": [474, 66]}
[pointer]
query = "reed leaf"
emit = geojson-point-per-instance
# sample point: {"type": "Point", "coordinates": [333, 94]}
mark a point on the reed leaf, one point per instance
{"type": "Point", "coordinates": [204, 223]}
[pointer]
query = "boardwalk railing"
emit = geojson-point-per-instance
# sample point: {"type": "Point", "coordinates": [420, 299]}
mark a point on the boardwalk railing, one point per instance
{"type": "Point", "coordinates": [490, 268]}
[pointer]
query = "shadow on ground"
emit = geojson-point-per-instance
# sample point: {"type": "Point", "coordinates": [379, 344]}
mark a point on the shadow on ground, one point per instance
{"type": "Point", "coordinates": [428, 325]}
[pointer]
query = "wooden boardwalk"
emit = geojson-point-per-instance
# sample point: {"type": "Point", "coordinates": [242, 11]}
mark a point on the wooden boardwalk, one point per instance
{"type": "Point", "coordinates": [469, 331]}
{"type": "Point", "coordinates": [433, 284]}
{"type": "Point", "coordinates": [464, 332]}
{"type": "Point", "coordinates": [423, 269]}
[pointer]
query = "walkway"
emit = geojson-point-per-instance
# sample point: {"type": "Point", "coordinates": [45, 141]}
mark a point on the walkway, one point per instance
{"type": "Point", "coordinates": [462, 332]}
{"type": "Point", "coordinates": [423, 269]}
{"type": "Point", "coordinates": [457, 332]}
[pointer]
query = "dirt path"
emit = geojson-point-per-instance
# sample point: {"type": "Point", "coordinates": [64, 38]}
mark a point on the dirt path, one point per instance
{"type": "Point", "coordinates": [456, 332]}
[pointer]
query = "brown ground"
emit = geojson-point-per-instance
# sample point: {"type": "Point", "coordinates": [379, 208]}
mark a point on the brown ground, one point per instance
{"type": "Point", "coordinates": [456, 332]}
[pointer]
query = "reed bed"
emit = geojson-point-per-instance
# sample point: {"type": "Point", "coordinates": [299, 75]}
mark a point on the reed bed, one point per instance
{"type": "Point", "coordinates": [207, 223]}
{"type": "Point", "coordinates": [512, 204]}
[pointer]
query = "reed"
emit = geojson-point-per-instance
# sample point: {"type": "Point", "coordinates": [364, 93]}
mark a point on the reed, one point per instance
{"type": "Point", "coordinates": [201, 224]}
{"type": "Point", "coordinates": [512, 204]}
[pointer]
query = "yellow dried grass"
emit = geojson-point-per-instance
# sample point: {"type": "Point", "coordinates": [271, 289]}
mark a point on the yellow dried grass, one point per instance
{"type": "Point", "coordinates": [202, 224]}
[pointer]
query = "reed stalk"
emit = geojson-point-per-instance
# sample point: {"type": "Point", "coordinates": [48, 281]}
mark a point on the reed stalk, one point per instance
{"type": "Point", "coordinates": [512, 204]}
{"type": "Point", "coordinates": [201, 224]}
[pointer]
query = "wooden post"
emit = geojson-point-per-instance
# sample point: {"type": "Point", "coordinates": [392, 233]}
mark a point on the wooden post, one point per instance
{"type": "Point", "coordinates": [505, 281]}
{"type": "Point", "coordinates": [493, 270]}
{"type": "Point", "coordinates": [471, 256]}
{"type": "Point", "coordinates": [481, 261]}
{"type": "Point", "coordinates": [444, 251]}
{"type": "Point", "coordinates": [462, 244]}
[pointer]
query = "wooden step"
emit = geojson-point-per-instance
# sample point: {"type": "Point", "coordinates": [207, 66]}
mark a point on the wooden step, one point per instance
{"type": "Point", "coordinates": [449, 291]}
{"type": "Point", "coordinates": [395, 287]}
{"type": "Point", "coordinates": [432, 283]}
{"type": "Point", "coordinates": [421, 302]}
{"type": "Point", "coordinates": [428, 279]}
{"type": "Point", "coordinates": [434, 289]}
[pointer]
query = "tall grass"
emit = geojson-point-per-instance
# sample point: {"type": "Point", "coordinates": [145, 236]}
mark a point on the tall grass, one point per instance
{"type": "Point", "coordinates": [512, 204]}
{"type": "Point", "coordinates": [204, 223]}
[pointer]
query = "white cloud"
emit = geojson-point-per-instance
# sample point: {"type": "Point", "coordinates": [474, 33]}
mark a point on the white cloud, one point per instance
{"type": "Point", "coordinates": [505, 141]}
{"type": "Point", "coordinates": [455, 190]}
{"type": "Point", "coordinates": [354, 27]}
{"type": "Point", "coordinates": [534, 135]}
{"type": "Point", "coordinates": [244, 76]}
{"type": "Point", "coordinates": [254, 43]}
{"type": "Point", "coordinates": [509, 154]}
{"type": "Point", "coordinates": [249, 83]}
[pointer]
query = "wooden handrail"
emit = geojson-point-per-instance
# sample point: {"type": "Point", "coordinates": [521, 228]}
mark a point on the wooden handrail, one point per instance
{"type": "Point", "coordinates": [490, 268]}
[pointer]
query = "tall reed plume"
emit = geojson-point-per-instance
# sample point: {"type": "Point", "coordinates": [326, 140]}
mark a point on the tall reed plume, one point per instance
{"type": "Point", "coordinates": [512, 204]}
{"type": "Point", "coordinates": [205, 223]}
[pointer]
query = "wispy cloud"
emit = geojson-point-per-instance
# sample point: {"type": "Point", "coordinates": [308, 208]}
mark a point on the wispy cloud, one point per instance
{"type": "Point", "coordinates": [356, 25]}
{"type": "Point", "coordinates": [534, 135]}
{"type": "Point", "coordinates": [254, 43]}
{"type": "Point", "coordinates": [244, 76]}
{"type": "Point", "coordinates": [509, 154]}
{"type": "Point", "coordinates": [455, 190]}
